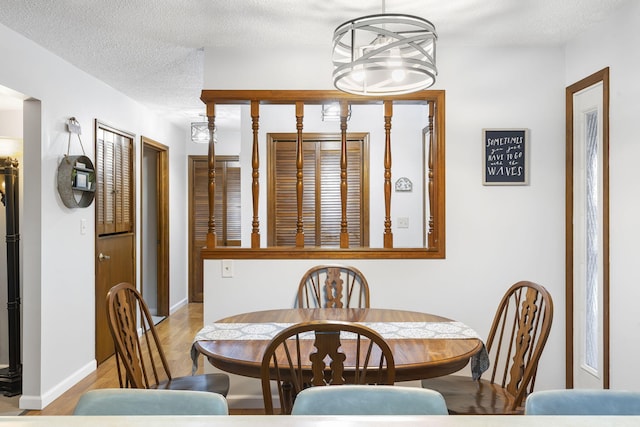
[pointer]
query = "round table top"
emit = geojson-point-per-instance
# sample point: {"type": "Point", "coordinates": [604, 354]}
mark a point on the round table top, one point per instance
{"type": "Point", "coordinates": [415, 358]}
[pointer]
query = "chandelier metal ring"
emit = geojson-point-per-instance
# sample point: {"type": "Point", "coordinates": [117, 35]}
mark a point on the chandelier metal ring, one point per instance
{"type": "Point", "coordinates": [384, 54]}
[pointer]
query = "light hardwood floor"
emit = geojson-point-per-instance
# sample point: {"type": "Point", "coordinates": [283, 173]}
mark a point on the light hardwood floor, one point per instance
{"type": "Point", "coordinates": [176, 333]}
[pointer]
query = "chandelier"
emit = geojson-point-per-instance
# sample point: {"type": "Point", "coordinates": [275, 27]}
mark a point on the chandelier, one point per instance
{"type": "Point", "coordinates": [200, 133]}
{"type": "Point", "coordinates": [385, 54]}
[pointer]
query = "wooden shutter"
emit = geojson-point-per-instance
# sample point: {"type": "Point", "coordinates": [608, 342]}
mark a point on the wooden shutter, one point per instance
{"type": "Point", "coordinates": [234, 208]}
{"type": "Point", "coordinates": [311, 195]}
{"type": "Point", "coordinates": [357, 194]}
{"type": "Point", "coordinates": [114, 190]}
{"type": "Point", "coordinates": [227, 207]}
{"type": "Point", "coordinates": [321, 207]}
{"type": "Point", "coordinates": [200, 201]}
{"type": "Point", "coordinates": [329, 204]}
{"type": "Point", "coordinates": [100, 183]}
{"type": "Point", "coordinates": [122, 182]}
{"type": "Point", "coordinates": [125, 190]}
{"type": "Point", "coordinates": [285, 214]}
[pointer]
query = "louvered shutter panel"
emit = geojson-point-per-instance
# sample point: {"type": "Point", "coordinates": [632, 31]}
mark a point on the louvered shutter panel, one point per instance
{"type": "Point", "coordinates": [108, 178]}
{"type": "Point", "coordinates": [227, 213]}
{"type": "Point", "coordinates": [285, 211]}
{"type": "Point", "coordinates": [125, 188]}
{"type": "Point", "coordinates": [355, 209]}
{"type": "Point", "coordinates": [311, 223]}
{"type": "Point", "coordinates": [234, 208]}
{"type": "Point", "coordinates": [114, 192]}
{"type": "Point", "coordinates": [201, 199]}
{"type": "Point", "coordinates": [329, 206]}
{"type": "Point", "coordinates": [322, 209]}
{"type": "Point", "coordinates": [218, 205]}
{"type": "Point", "coordinates": [100, 182]}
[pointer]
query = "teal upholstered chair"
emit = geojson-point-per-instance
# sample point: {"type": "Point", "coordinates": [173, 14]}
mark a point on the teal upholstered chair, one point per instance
{"type": "Point", "coordinates": [124, 401]}
{"type": "Point", "coordinates": [369, 400]}
{"type": "Point", "coordinates": [583, 402]}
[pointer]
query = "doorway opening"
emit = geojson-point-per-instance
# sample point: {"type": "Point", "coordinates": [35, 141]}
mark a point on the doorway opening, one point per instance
{"type": "Point", "coordinates": [155, 228]}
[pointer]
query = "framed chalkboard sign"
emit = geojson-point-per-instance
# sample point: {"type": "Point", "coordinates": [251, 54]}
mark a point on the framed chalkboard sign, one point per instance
{"type": "Point", "coordinates": [505, 156]}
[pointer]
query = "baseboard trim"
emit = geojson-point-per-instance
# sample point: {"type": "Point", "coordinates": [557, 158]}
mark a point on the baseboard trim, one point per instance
{"type": "Point", "coordinates": [40, 402]}
{"type": "Point", "coordinates": [178, 305]}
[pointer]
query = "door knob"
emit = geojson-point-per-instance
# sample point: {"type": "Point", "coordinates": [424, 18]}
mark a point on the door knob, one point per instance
{"type": "Point", "coordinates": [102, 257]}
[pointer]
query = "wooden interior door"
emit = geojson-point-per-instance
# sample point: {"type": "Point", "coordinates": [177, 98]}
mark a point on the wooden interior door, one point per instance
{"type": "Point", "coordinates": [198, 218]}
{"type": "Point", "coordinates": [227, 212]}
{"type": "Point", "coordinates": [115, 231]}
{"type": "Point", "coordinates": [114, 264]}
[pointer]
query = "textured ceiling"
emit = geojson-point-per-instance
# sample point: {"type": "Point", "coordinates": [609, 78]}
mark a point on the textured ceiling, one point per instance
{"type": "Point", "coordinates": [152, 50]}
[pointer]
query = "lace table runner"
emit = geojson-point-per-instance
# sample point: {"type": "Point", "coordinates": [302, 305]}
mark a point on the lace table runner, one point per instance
{"type": "Point", "coordinates": [388, 330]}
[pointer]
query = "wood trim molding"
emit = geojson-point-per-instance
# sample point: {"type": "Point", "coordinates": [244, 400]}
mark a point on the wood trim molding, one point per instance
{"type": "Point", "coordinates": [162, 189]}
{"type": "Point", "coordinates": [600, 76]}
{"type": "Point", "coordinates": [299, 98]}
{"type": "Point", "coordinates": [319, 253]}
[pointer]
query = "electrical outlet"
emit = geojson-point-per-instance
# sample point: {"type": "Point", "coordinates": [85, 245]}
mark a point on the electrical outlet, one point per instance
{"type": "Point", "coordinates": [227, 268]}
{"type": "Point", "coordinates": [403, 222]}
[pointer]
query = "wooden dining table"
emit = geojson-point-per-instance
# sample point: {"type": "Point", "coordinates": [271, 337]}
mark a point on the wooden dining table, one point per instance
{"type": "Point", "coordinates": [423, 345]}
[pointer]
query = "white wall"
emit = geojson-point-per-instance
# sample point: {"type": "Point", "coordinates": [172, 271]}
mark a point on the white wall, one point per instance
{"type": "Point", "coordinates": [58, 279]}
{"type": "Point", "coordinates": [10, 127]}
{"type": "Point", "coordinates": [614, 45]}
{"type": "Point", "coordinates": [496, 235]}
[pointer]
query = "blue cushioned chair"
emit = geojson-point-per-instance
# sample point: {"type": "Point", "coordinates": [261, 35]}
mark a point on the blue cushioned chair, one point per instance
{"type": "Point", "coordinates": [583, 402]}
{"type": "Point", "coordinates": [369, 400]}
{"type": "Point", "coordinates": [121, 401]}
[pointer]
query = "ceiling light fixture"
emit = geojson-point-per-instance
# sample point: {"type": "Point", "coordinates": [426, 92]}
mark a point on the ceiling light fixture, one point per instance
{"type": "Point", "coordinates": [385, 54]}
{"type": "Point", "coordinates": [331, 112]}
{"type": "Point", "coordinates": [200, 133]}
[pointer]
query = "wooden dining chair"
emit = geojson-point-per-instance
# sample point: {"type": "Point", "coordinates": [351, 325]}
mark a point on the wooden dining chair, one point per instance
{"type": "Point", "coordinates": [323, 353]}
{"type": "Point", "coordinates": [140, 358]}
{"type": "Point", "coordinates": [516, 339]}
{"type": "Point", "coordinates": [333, 286]}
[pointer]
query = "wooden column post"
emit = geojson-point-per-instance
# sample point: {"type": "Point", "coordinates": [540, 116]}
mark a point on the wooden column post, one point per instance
{"type": "Point", "coordinates": [255, 174]}
{"type": "Point", "coordinates": [344, 233]}
{"type": "Point", "coordinates": [211, 230]}
{"type": "Point", "coordinates": [299, 175]}
{"type": "Point", "coordinates": [388, 235]}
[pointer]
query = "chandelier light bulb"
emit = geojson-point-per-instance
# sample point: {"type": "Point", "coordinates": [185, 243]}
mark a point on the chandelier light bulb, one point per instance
{"type": "Point", "coordinates": [398, 75]}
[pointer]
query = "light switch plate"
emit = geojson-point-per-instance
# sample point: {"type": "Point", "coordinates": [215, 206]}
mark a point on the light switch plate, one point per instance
{"type": "Point", "coordinates": [227, 268]}
{"type": "Point", "coordinates": [403, 222]}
